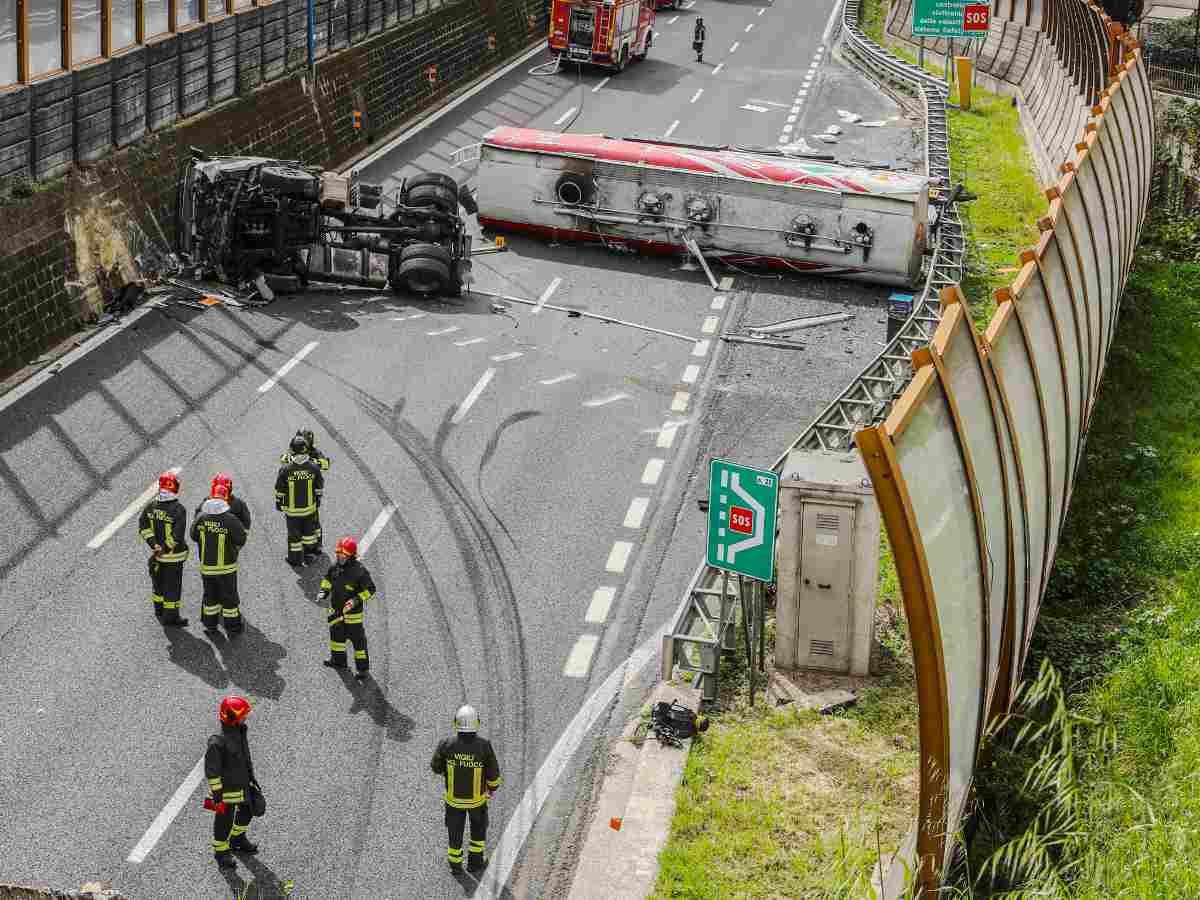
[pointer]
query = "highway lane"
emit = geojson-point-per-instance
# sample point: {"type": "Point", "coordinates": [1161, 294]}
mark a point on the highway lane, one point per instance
{"type": "Point", "coordinates": [504, 527]}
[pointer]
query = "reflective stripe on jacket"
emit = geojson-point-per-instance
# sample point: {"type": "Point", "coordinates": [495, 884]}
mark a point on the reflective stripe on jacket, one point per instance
{"type": "Point", "coordinates": [219, 535]}
{"type": "Point", "coordinates": [227, 764]}
{"type": "Point", "coordinates": [468, 763]}
{"type": "Point", "coordinates": [349, 581]}
{"type": "Point", "coordinates": [298, 487]}
{"type": "Point", "coordinates": [164, 522]}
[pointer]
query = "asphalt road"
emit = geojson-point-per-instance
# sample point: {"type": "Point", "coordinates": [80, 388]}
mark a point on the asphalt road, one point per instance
{"type": "Point", "coordinates": [512, 467]}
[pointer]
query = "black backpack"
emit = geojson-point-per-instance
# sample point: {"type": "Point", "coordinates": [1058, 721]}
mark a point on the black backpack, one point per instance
{"type": "Point", "coordinates": [682, 721]}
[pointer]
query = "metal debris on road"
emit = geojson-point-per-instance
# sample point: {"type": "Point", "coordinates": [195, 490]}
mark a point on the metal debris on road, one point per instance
{"type": "Point", "coordinates": [762, 342]}
{"type": "Point", "coordinates": [584, 313]}
{"type": "Point", "coordinates": [833, 129]}
{"type": "Point", "coordinates": [827, 138]}
{"type": "Point", "coordinates": [849, 118]}
{"type": "Point", "coordinates": [878, 124]}
{"type": "Point", "coordinates": [797, 324]}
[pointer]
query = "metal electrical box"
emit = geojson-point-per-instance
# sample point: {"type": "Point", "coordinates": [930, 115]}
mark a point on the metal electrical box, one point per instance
{"type": "Point", "coordinates": [828, 558]}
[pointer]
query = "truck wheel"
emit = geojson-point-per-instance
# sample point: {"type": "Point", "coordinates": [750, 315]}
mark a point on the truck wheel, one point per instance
{"type": "Point", "coordinates": [638, 57]}
{"type": "Point", "coordinates": [424, 268]}
{"type": "Point", "coordinates": [432, 178]}
{"type": "Point", "coordinates": [438, 196]}
{"type": "Point", "coordinates": [288, 181]}
{"type": "Point", "coordinates": [623, 59]}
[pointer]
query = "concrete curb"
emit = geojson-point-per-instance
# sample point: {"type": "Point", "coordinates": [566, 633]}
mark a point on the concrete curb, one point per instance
{"type": "Point", "coordinates": [638, 788]}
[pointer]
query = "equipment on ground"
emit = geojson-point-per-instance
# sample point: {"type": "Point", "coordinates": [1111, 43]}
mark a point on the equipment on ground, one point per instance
{"type": "Point", "coordinates": [608, 33]}
{"type": "Point", "coordinates": [672, 723]}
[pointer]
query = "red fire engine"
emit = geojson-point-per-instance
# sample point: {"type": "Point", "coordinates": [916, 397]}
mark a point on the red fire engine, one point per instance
{"type": "Point", "coordinates": [609, 33]}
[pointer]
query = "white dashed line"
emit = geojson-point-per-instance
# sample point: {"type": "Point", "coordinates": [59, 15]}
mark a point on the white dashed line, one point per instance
{"type": "Point", "coordinates": [580, 659]}
{"type": "Point", "coordinates": [680, 403]}
{"type": "Point", "coordinates": [618, 557]}
{"type": "Point", "coordinates": [710, 325]}
{"type": "Point", "coordinates": [787, 129]}
{"type": "Point", "coordinates": [127, 513]}
{"type": "Point", "coordinates": [761, 11]}
{"type": "Point", "coordinates": [718, 69]}
{"type": "Point", "coordinates": [469, 342]}
{"type": "Point", "coordinates": [696, 96]}
{"type": "Point", "coordinates": [167, 815]}
{"type": "Point", "coordinates": [557, 379]}
{"type": "Point", "coordinates": [604, 401]}
{"type": "Point", "coordinates": [418, 315]}
{"type": "Point", "coordinates": [570, 112]}
{"type": "Point", "coordinates": [505, 357]}
{"type": "Point", "coordinates": [792, 118]}
{"type": "Point", "coordinates": [466, 405]}
{"type": "Point", "coordinates": [653, 471]}
{"type": "Point", "coordinates": [670, 131]}
{"type": "Point", "coordinates": [636, 512]}
{"type": "Point", "coordinates": [733, 49]}
{"type": "Point", "coordinates": [376, 529]}
{"type": "Point", "coordinates": [666, 435]}
{"type": "Point", "coordinates": [287, 367]}
{"type": "Point", "coordinates": [690, 374]}
{"type": "Point", "coordinates": [718, 301]}
{"type": "Point", "coordinates": [546, 295]}
{"type": "Point", "coordinates": [601, 84]}
{"type": "Point", "coordinates": [749, 28]}
{"type": "Point", "coordinates": [449, 330]}
{"type": "Point", "coordinates": [673, 20]}
{"type": "Point", "coordinates": [701, 348]}
{"type": "Point", "coordinates": [602, 600]}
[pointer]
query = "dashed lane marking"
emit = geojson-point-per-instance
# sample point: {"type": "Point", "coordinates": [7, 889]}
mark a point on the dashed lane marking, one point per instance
{"type": "Point", "coordinates": [701, 347]}
{"type": "Point", "coordinates": [580, 658]}
{"type": "Point", "coordinates": [618, 557]}
{"type": "Point", "coordinates": [376, 529]}
{"type": "Point", "coordinates": [696, 96]}
{"type": "Point", "coordinates": [469, 342]}
{"type": "Point", "coordinates": [467, 403]}
{"type": "Point", "coordinates": [636, 512]}
{"type": "Point", "coordinates": [749, 28]}
{"type": "Point", "coordinates": [570, 112]}
{"type": "Point", "coordinates": [127, 513]}
{"type": "Point", "coordinates": [718, 301]}
{"type": "Point", "coordinates": [761, 11]}
{"type": "Point", "coordinates": [733, 49]}
{"type": "Point", "coordinates": [670, 131]}
{"type": "Point", "coordinates": [546, 295]}
{"type": "Point", "coordinates": [164, 819]}
{"type": "Point", "coordinates": [673, 20]}
{"type": "Point", "coordinates": [448, 330]}
{"type": "Point", "coordinates": [604, 401]}
{"type": "Point", "coordinates": [653, 471]}
{"type": "Point", "coordinates": [690, 374]}
{"type": "Point", "coordinates": [666, 434]}
{"type": "Point", "coordinates": [710, 325]}
{"type": "Point", "coordinates": [287, 367]}
{"type": "Point", "coordinates": [680, 403]}
{"type": "Point", "coordinates": [717, 70]}
{"type": "Point", "coordinates": [602, 600]}
{"type": "Point", "coordinates": [505, 357]}
{"type": "Point", "coordinates": [601, 83]}
{"type": "Point", "coordinates": [557, 379]}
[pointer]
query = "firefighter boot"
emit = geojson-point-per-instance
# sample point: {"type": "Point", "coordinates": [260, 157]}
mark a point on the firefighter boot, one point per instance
{"type": "Point", "coordinates": [477, 862]}
{"type": "Point", "coordinates": [225, 859]}
{"type": "Point", "coordinates": [242, 844]}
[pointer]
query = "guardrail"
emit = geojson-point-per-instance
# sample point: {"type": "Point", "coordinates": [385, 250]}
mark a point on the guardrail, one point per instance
{"type": "Point", "coordinates": [1175, 81]}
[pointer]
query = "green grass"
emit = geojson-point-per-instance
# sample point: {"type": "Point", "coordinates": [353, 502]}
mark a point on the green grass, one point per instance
{"type": "Point", "coordinates": [871, 18]}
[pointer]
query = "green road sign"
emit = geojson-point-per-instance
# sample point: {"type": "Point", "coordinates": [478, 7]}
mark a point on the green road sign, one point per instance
{"type": "Point", "coordinates": [951, 19]}
{"type": "Point", "coordinates": [741, 519]}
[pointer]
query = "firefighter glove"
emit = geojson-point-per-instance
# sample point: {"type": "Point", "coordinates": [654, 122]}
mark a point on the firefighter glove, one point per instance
{"type": "Point", "coordinates": [322, 596]}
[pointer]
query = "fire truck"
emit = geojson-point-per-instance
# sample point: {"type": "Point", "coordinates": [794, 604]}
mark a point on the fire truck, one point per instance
{"type": "Point", "coordinates": [608, 33]}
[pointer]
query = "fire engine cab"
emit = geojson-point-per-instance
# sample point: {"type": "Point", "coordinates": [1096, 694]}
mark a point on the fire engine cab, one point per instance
{"type": "Point", "coordinates": [609, 33]}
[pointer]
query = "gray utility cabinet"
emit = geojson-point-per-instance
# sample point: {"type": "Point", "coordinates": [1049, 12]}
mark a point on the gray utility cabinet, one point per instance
{"type": "Point", "coordinates": [828, 559]}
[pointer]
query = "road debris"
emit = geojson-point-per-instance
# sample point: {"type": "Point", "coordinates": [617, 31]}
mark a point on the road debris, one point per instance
{"type": "Point", "coordinates": [584, 313]}
{"type": "Point", "coordinates": [797, 324]}
{"type": "Point", "coordinates": [762, 341]}
{"type": "Point", "coordinates": [833, 129]}
{"type": "Point", "coordinates": [878, 124]}
{"type": "Point", "coordinates": [849, 117]}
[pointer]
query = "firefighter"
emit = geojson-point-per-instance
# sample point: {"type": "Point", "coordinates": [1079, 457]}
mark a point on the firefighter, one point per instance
{"type": "Point", "coordinates": [347, 586]}
{"type": "Point", "coordinates": [298, 489]}
{"type": "Point", "coordinates": [698, 37]}
{"type": "Point", "coordinates": [219, 536]}
{"type": "Point", "coordinates": [163, 526]}
{"type": "Point", "coordinates": [237, 505]}
{"type": "Point", "coordinates": [468, 764]}
{"type": "Point", "coordinates": [322, 462]}
{"type": "Point", "coordinates": [230, 775]}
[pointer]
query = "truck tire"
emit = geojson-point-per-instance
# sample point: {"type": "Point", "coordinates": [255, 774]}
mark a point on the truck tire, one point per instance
{"type": "Point", "coordinates": [289, 182]}
{"type": "Point", "coordinates": [432, 178]}
{"type": "Point", "coordinates": [623, 59]}
{"type": "Point", "coordinates": [638, 57]}
{"type": "Point", "coordinates": [438, 196]}
{"type": "Point", "coordinates": [425, 268]}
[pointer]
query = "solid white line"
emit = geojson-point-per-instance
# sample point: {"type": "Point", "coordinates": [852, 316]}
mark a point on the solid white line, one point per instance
{"type": "Point", "coordinates": [653, 470]}
{"type": "Point", "coordinates": [580, 659]}
{"type": "Point", "coordinates": [718, 69]}
{"type": "Point", "coordinates": [701, 348]}
{"type": "Point", "coordinates": [733, 49]}
{"type": "Point", "coordinates": [710, 325]}
{"type": "Point", "coordinates": [604, 401]}
{"type": "Point", "coordinates": [505, 357]}
{"type": "Point", "coordinates": [468, 343]}
{"type": "Point", "coordinates": [636, 512]}
{"type": "Point", "coordinates": [570, 112]}
{"type": "Point", "coordinates": [690, 374]}
{"type": "Point", "coordinates": [680, 403]}
{"type": "Point", "coordinates": [696, 96]}
{"type": "Point", "coordinates": [618, 557]}
{"type": "Point", "coordinates": [673, 20]}
{"type": "Point", "coordinates": [164, 819]}
{"type": "Point", "coordinates": [718, 301]}
{"type": "Point", "coordinates": [666, 435]}
{"type": "Point", "coordinates": [376, 527]}
{"type": "Point", "coordinates": [749, 28]}
{"type": "Point", "coordinates": [546, 295]}
{"type": "Point", "coordinates": [670, 131]}
{"type": "Point", "coordinates": [602, 601]}
{"type": "Point", "coordinates": [127, 513]}
{"type": "Point", "coordinates": [454, 104]}
{"type": "Point", "coordinates": [466, 405]}
{"type": "Point", "coordinates": [450, 330]}
{"type": "Point", "coordinates": [558, 379]}
{"type": "Point", "coordinates": [287, 367]}
{"type": "Point", "coordinates": [601, 83]}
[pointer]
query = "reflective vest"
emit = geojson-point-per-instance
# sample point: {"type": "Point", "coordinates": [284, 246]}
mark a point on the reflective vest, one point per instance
{"type": "Point", "coordinates": [164, 523]}
{"type": "Point", "coordinates": [219, 535]}
{"type": "Point", "coordinates": [298, 487]}
{"type": "Point", "coordinates": [350, 581]}
{"type": "Point", "coordinates": [467, 762]}
{"type": "Point", "coordinates": [227, 764]}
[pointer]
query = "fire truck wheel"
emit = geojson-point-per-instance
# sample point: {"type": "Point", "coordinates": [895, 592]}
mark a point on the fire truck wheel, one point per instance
{"type": "Point", "coordinates": [438, 196]}
{"type": "Point", "coordinates": [288, 181]}
{"type": "Point", "coordinates": [432, 178]}
{"type": "Point", "coordinates": [623, 59]}
{"type": "Point", "coordinates": [638, 57]}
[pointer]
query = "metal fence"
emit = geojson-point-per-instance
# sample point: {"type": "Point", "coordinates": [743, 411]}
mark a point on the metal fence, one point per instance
{"type": "Point", "coordinates": [1184, 82]}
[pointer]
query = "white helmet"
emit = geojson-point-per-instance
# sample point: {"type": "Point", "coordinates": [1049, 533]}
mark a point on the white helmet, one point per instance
{"type": "Point", "coordinates": [466, 719]}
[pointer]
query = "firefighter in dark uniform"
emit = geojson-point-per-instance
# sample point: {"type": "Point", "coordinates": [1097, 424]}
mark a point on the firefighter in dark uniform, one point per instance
{"type": "Point", "coordinates": [322, 462]}
{"type": "Point", "coordinates": [468, 764]}
{"type": "Point", "coordinates": [346, 587]}
{"type": "Point", "coordinates": [163, 526]}
{"type": "Point", "coordinates": [237, 505]}
{"type": "Point", "coordinates": [298, 489]}
{"type": "Point", "coordinates": [219, 536]}
{"type": "Point", "coordinates": [230, 775]}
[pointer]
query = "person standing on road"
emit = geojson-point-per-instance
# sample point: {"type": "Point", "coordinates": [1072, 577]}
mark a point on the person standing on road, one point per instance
{"type": "Point", "coordinates": [298, 489]}
{"type": "Point", "coordinates": [230, 774]}
{"type": "Point", "coordinates": [237, 505]}
{"type": "Point", "coordinates": [163, 526]}
{"type": "Point", "coordinates": [322, 462]}
{"type": "Point", "coordinates": [698, 37]}
{"type": "Point", "coordinates": [468, 764]}
{"type": "Point", "coordinates": [219, 536]}
{"type": "Point", "coordinates": [347, 587]}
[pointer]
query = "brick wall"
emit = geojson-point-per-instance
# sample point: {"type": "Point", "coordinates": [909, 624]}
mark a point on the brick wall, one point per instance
{"type": "Point", "coordinates": [57, 242]}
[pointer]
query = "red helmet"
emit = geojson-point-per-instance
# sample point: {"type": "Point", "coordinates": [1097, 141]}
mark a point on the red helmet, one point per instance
{"type": "Point", "coordinates": [234, 710]}
{"type": "Point", "coordinates": [220, 490]}
{"type": "Point", "coordinates": [223, 478]}
{"type": "Point", "coordinates": [168, 482]}
{"type": "Point", "coordinates": [347, 545]}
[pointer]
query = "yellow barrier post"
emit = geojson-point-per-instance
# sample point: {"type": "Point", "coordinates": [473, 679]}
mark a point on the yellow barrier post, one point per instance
{"type": "Point", "coordinates": [963, 66]}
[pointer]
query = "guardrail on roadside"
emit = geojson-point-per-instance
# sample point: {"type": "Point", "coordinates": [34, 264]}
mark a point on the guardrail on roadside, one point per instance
{"type": "Point", "coordinates": [1175, 81]}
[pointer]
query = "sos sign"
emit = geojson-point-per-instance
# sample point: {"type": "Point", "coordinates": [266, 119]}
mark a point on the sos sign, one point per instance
{"type": "Point", "coordinates": [741, 520]}
{"type": "Point", "coordinates": [976, 17]}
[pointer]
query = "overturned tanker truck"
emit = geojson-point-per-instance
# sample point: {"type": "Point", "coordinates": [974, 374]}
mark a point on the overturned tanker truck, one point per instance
{"type": "Point", "coordinates": [239, 217]}
{"type": "Point", "coordinates": [740, 207]}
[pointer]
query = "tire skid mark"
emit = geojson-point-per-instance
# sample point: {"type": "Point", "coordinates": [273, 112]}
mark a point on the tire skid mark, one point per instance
{"type": "Point", "coordinates": [488, 452]}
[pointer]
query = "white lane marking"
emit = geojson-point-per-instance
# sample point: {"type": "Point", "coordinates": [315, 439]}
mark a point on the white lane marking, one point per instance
{"type": "Point", "coordinates": [450, 330]}
{"type": "Point", "coordinates": [829, 26]}
{"type": "Point", "coordinates": [466, 405]}
{"type": "Point", "coordinates": [696, 96]}
{"type": "Point", "coordinates": [287, 367]}
{"type": "Point", "coordinates": [376, 528]}
{"type": "Point", "coordinates": [718, 69]}
{"type": "Point", "coordinates": [749, 28]}
{"type": "Point", "coordinates": [710, 325]}
{"type": "Point", "coordinates": [406, 318]}
{"type": "Point", "coordinates": [753, 108]}
{"type": "Point", "coordinates": [673, 20]}
{"type": "Point", "coordinates": [787, 129]}
{"type": "Point", "coordinates": [653, 470]}
{"type": "Point", "coordinates": [701, 348]}
{"type": "Point", "coordinates": [690, 374]}
{"type": "Point", "coordinates": [558, 379]}
{"type": "Point", "coordinates": [469, 342]}
{"type": "Point", "coordinates": [604, 401]}
{"type": "Point", "coordinates": [164, 819]}
{"type": "Point", "coordinates": [601, 83]}
{"type": "Point", "coordinates": [680, 403]}
{"type": "Point", "coordinates": [796, 108]}
{"type": "Point", "coordinates": [718, 301]}
{"type": "Point", "coordinates": [761, 11]}
{"type": "Point", "coordinates": [636, 512]}
{"type": "Point", "coordinates": [127, 513]}
{"type": "Point", "coordinates": [670, 131]}
{"type": "Point", "coordinates": [570, 112]}
{"type": "Point", "coordinates": [602, 600]}
{"type": "Point", "coordinates": [505, 357]}
{"type": "Point", "coordinates": [733, 49]}
{"type": "Point", "coordinates": [580, 659]}
{"type": "Point", "coordinates": [689, 4]}
{"type": "Point", "coordinates": [618, 557]}
{"type": "Point", "coordinates": [666, 435]}
{"type": "Point", "coordinates": [546, 295]}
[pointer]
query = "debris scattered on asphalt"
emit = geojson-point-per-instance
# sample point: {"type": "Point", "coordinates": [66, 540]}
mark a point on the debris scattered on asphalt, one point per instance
{"type": "Point", "coordinates": [833, 129]}
{"type": "Point", "coordinates": [762, 341]}
{"type": "Point", "coordinates": [573, 313]}
{"type": "Point", "coordinates": [849, 117]}
{"type": "Point", "coordinates": [264, 290]}
{"type": "Point", "coordinates": [796, 324]}
{"type": "Point", "coordinates": [878, 124]}
{"type": "Point", "coordinates": [827, 138]}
